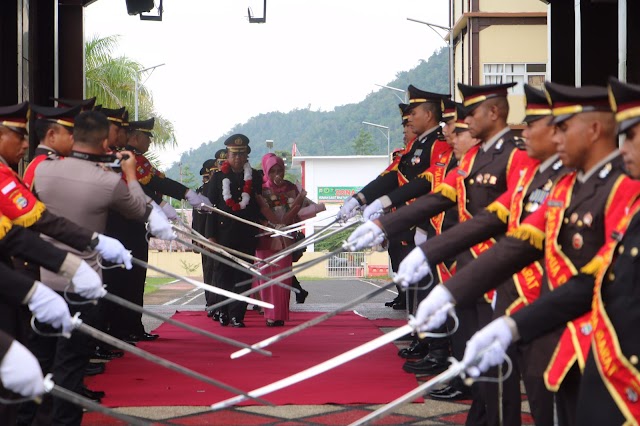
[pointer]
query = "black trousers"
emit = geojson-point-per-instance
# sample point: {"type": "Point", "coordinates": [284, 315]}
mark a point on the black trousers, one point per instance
{"type": "Point", "coordinates": [207, 277]}
{"type": "Point", "coordinates": [66, 359]}
{"type": "Point", "coordinates": [226, 277]}
{"type": "Point", "coordinates": [567, 398]}
{"type": "Point", "coordinates": [128, 284]}
{"type": "Point", "coordinates": [595, 406]}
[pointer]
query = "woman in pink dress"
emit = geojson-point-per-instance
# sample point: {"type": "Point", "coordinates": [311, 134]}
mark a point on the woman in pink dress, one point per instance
{"type": "Point", "coordinates": [282, 203]}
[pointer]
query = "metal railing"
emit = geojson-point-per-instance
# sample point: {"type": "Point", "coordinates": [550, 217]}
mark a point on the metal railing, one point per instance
{"type": "Point", "coordinates": [347, 265]}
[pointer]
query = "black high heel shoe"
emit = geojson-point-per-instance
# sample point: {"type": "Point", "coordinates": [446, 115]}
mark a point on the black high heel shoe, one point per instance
{"type": "Point", "coordinates": [302, 296]}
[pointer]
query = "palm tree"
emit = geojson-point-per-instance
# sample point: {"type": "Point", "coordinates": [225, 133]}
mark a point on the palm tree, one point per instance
{"type": "Point", "coordinates": [112, 81]}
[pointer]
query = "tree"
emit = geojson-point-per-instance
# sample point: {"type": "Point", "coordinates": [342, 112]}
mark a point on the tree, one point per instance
{"type": "Point", "coordinates": [363, 144]}
{"type": "Point", "coordinates": [112, 81]}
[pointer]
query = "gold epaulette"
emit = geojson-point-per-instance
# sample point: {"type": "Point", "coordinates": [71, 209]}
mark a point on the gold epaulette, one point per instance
{"type": "Point", "coordinates": [499, 210]}
{"type": "Point", "coordinates": [529, 233]}
{"type": "Point", "coordinates": [447, 192]}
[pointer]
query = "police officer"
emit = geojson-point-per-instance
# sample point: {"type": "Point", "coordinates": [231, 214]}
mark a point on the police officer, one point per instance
{"type": "Point", "coordinates": [233, 189]}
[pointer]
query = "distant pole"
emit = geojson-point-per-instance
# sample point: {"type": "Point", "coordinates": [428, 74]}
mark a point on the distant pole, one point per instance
{"type": "Point", "coordinates": [450, 31]}
{"type": "Point", "coordinates": [380, 127]}
{"type": "Point", "coordinates": [137, 87]}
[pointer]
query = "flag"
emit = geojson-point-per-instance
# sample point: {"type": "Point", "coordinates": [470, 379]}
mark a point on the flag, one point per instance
{"type": "Point", "coordinates": [294, 150]}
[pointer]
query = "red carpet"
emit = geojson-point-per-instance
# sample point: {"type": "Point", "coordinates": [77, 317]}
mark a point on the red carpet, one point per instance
{"type": "Point", "coordinates": [373, 378]}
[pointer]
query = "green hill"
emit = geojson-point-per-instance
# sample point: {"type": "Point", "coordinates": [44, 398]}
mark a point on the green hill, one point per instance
{"type": "Point", "coordinates": [330, 132]}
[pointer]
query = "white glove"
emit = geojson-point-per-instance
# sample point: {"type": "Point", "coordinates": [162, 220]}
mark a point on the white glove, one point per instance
{"type": "Point", "coordinates": [169, 211]}
{"type": "Point", "coordinates": [48, 307]}
{"type": "Point", "coordinates": [373, 210]}
{"type": "Point", "coordinates": [20, 371]}
{"type": "Point", "coordinates": [430, 313]}
{"type": "Point", "coordinates": [87, 282]}
{"type": "Point", "coordinates": [366, 235]}
{"type": "Point", "coordinates": [420, 237]}
{"type": "Point", "coordinates": [348, 209]}
{"type": "Point", "coordinates": [196, 199]}
{"type": "Point", "coordinates": [112, 250]}
{"type": "Point", "coordinates": [413, 268]}
{"type": "Point", "coordinates": [159, 225]}
{"type": "Point", "coordinates": [493, 339]}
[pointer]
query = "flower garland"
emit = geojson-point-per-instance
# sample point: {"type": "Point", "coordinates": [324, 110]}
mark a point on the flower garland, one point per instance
{"type": "Point", "coordinates": [246, 189]}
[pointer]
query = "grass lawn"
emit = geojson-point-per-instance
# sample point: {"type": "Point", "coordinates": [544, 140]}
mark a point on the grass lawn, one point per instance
{"type": "Point", "coordinates": [154, 283]}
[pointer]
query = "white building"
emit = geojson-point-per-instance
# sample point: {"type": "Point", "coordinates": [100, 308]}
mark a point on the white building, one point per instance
{"type": "Point", "coordinates": [333, 179]}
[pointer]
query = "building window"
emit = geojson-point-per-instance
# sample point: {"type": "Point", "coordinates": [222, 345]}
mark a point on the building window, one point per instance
{"type": "Point", "coordinates": [533, 74]}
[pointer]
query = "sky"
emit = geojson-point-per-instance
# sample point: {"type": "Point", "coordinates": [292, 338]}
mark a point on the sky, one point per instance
{"type": "Point", "coordinates": [220, 70]}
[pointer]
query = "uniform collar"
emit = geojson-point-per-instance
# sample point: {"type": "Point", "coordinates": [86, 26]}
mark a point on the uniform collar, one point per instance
{"type": "Point", "coordinates": [583, 177]}
{"type": "Point", "coordinates": [548, 162]}
{"type": "Point", "coordinates": [425, 134]}
{"type": "Point", "coordinates": [3, 161]}
{"type": "Point", "coordinates": [488, 144]}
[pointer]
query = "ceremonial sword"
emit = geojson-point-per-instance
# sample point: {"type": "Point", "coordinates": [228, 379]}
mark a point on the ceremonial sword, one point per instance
{"type": "Point", "coordinates": [273, 281]}
{"type": "Point", "coordinates": [456, 369]}
{"type": "Point", "coordinates": [129, 305]}
{"type": "Point", "coordinates": [203, 286]}
{"type": "Point", "coordinates": [278, 337]}
{"type": "Point", "coordinates": [245, 221]}
{"type": "Point", "coordinates": [326, 365]}
{"type": "Point", "coordinates": [59, 392]}
{"type": "Point", "coordinates": [320, 368]}
{"type": "Point", "coordinates": [110, 340]}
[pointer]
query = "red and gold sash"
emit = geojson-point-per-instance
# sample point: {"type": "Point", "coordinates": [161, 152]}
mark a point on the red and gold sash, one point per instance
{"type": "Point", "coordinates": [620, 376]}
{"type": "Point", "coordinates": [436, 174]}
{"type": "Point", "coordinates": [394, 166]}
{"type": "Point", "coordinates": [528, 280]}
{"type": "Point", "coordinates": [30, 172]}
{"type": "Point", "coordinates": [576, 339]}
{"type": "Point", "coordinates": [463, 214]}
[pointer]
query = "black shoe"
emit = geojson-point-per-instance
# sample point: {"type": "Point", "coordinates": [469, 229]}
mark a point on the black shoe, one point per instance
{"type": "Point", "coordinates": [302, 296]}
{"type": "Point", "coordinates": [237, 323]}
{"type": "Point", "coordinates": [215, 315]}
{"type": "Point", "coordinates": [278, 323]}
{"type": "Point", "coordinates": [430, 364]}
{"type": "Point", "coordinates": [223, 319]}
{"type": "Point", "coordinates": [450, 393]}
{"type": "Point", "coordinates": [93, 369]}
{"type": "Point", "coordinates": [211, 314]}
{"type": "Point", "coordinates": [417, 349]}
{"type": "Point", "coordinates": [147, 337]}
{"type": "Point", "coordinates": [400, 306]}
{"type": "Point", "coordinates": [106, 355]}
{"type": "Point", "coordinates": [92, 395]}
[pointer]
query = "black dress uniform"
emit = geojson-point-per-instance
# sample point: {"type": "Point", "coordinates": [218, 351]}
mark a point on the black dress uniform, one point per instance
{"type": "Point", "coordinates": [198, 224]}
{"type": "Point", "coordinates": [536, 180]}
{"type": "Point", "coordinates": [232, 233]}
{"type": "Point", "coordinates": [572, 241]}
{"type": "Point", "coordinates": [482, 175]}
{"type": "Point", "coordinates": [404, 181]}
{"type": "Point", "coordinates": [129, 284]}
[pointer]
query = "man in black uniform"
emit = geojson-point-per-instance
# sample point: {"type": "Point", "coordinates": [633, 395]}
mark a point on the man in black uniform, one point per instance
{"type": "Point", "coordinates": [233, 189]}
{"type": "Point", "coordinates": [479, 179]}
{"type": "Point", "coordinates": [209, 167]}
{"type": "Point", "coordinates": [527, 191]}
{"type": "Point", "coordinates": [404, 176]}
{"type": "Point", "coordinates": [610, 385]}
{"type": "Point", "coordinates": [129, 284]}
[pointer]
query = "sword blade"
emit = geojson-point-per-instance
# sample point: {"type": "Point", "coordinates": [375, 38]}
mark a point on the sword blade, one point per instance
{"type": "Point", "coordinates": [245, 221]}
{"type": "Point", "coordinates": [129, 305]}
{"type": "Point", "coordinates": [278, 337]}
{"type": "Point", "coordinates": [203, 286]}
{"type": "Point", "coordinates": [207, 253]}
{"type": "Point", "coordinates": [314, 238]}
{"type": "Point", "coordinates": [273, 281]}
{"type": "Point", "coordinates": [442, 378]}
{"type": "Point", "coordinates": [320, 368]}
{"type": "Point", "coordinates": [106, 338]}
{"type": "Point", "coordinates": [74, 398]}
{"type": "Point", "coordinates": [455, 369]}
{"type": "Point", "coordinates": [218, 248]}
